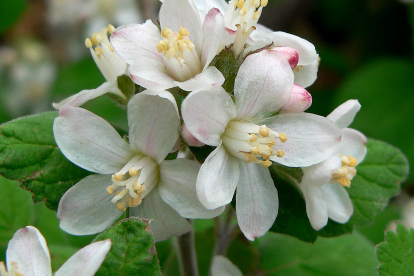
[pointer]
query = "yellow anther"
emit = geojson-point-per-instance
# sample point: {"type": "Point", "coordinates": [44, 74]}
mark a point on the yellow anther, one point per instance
{"type": "Point", "coordinates": [132, 171]}
{"type": "Point", "coordinates": [235, 3]}
{"type": "Point", "coordinates": [121, 206]}
{"type": "Point", "coordinates": [266, 163]}
{"type": "Point", "coordinates": [297, 68]}
{"type": "Point", "coordinates": [98, 51]}
{"type": "Point", "coordinates": [162, 46]}
{"type": "Point", "coordinates": [344, 181]}
{"type": "Point", "coordinates": [264, 131]}
{"type": "Point", "coordinates": [182, 45]}
{"type": "Point", "coordinates": [282, 137]}
{"type": "Point", "coordinates": [250, 157]}
{"type": "Point", "coordinates": [88, 43]}
{"type": "Point", "coordinates": [111, 28]}
{"type": "Point", "coordinates": [342, 171]}
{"type": "Point", "coordinates": [141, 189]}
{"type": "Point", "coordinates": [271, 143]}
{"type": "Point", "coordinates": [256, 3]}
{"type": "Point", "coordinates": [265, 156]}
{"type": "Point", "coordinates": [271, 150]}
{"type": "Point", "coordinates": [253, 138]}
{"type": "Point", "coordinates": [352, 161]}
{"type": "Point", "coordinates": [171, 53]}
{"type": "Point", "coordinates": [166, 32]}
{"type": "Point", "coordinates": [254, 150]}
{"type": "Point", "coordinates": [94, 40]}
{"type": "Point", "coordinates": [183, 31]}
{"type": "Point", "coordinates": [280, 153]}
{"type": "Point", "coordinates": [134, 202]}
{"type": "Point", "coordinates": [98, 38]}
{"type": "Point", "coordinates": [256, 14]}
{"type": "Point", "coordinates": [240, 4]}
{"type": "Point", "coordinates": [264, 3]}
{"type": "Point", "coordinates": [137, 185]}
{"type": "Point", "coordinates": [117, 176]}
{"type": "Point", "coordinates": [117, 193]}
{"type": "Point", "coordinates": [110, 190]}
{"type": "Point", "coordinates": [242, 11]}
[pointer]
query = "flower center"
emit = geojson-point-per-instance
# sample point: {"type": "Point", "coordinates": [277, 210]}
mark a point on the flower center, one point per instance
{"type": "Point", "coordinates": [252, 143]}
{"type": "Point", "coordinates": [180, 56]}
{"type": "Point", "coordinates": [243, 14]}
{"type": "Point", "coordinates": [133, 182]}
{"type": "Point", "coordinates": [346, 172]}
{"type": "Point", "coordinates": [110, 64]}
{"type": "Point", "coordinates": [13, 271]}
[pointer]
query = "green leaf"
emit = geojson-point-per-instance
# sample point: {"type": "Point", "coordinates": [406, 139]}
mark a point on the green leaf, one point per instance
{"type": "Point", "coordinates": [378, 179]}
{"type": "Point", "coordinates": [133, 250]}
{"type": "Point", "coordinates": [282, 255]}
{"type": "Point", "coordinates": [10, 12]}
{"type": "Point", "coordinates": [29, 154]}
{"type": "Point", "coordinates": [16, 210]}
{"type": "Point", "coordinates": [396, 254]}
{"type": "Point", "coordinates": [228, 65]}
{"type": "Point", "coordinates": [126, 85]}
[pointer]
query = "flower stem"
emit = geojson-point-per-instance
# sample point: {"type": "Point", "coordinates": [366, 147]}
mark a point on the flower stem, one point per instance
{"type": "Point", "coordinates": [187, 254]}
{"type": "Point", "coordinates": [225, 232]}
{"type": "Point", "coordinates": [127, 213]}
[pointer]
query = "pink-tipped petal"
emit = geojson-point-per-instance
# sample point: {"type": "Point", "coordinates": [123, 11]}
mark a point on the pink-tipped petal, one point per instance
{"type": "Point", "coordinates": [300, 100]}
{"type": "Point", "coordinates": [189, 138]}
{"type": "Point", "coordinates": [290, 54]}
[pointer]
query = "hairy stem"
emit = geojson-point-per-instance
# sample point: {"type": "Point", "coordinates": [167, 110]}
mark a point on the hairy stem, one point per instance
{"type": "Point", "coordinates": [187, 254]}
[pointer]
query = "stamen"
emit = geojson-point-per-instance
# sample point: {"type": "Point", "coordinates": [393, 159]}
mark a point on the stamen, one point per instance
{"type": "Point", "coordinates": [264, 131]}
{"type": "Point", "coordinates": [111, 28]}
{"type": "Point", "coordinates": [132, 171]}
{"type": "Point", "coordinates": [264, 3]}
{"type": "Point", "coordinates": [88, 43]}
{"type": "Point", "coordinates": [344, 181]}
{"type": "Point", "coordinates": [166, 32]}
{"type": "Point", "coordinates": [346, 172]}
{"type": "Point", "coordinates": [110, 190]}
{"type": "Point", "coordinates": [282, 137]}
{"type": "Point", "coordinates": [183, 31]}
{"type": "Point", "coordinates": [267, 163]}
{"type": "Point", "coordinates": [121, 206]}
{"type": "Point", "coordinates": [280, 153]}
{"type": "Point", "coordinates": [240, 4]}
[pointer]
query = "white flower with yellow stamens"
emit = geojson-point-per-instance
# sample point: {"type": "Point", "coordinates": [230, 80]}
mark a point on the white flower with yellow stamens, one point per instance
{"type": "Point", "coordinates": [249, 136]}
{"type": "Point", "coordinates": [323, 184]}
{"type": "Point", "coordinates": [132, 174]}
{"type": "Point", "coordinates": [179, 55]}
{"type": "Point", "coordinates": [108, 62]}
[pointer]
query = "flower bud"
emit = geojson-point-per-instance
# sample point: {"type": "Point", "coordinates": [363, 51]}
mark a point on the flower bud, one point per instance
{"type": "Point", "coordinates": [189, 138]}
{"type": "Point", "coordinates": [290, 53]}
{"type": "Point", "coordinates": [299, 100]}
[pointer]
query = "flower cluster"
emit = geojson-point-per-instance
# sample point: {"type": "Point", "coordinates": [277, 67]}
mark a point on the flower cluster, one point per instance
{"type": "Point", "coordinates": [257, 122]}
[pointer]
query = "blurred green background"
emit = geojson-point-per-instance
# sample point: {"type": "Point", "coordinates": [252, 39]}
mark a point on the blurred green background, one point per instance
{"type": "Point", "coordinates": [366, 49]}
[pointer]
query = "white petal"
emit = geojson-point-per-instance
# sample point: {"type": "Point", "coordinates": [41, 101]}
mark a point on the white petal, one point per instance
{"type": "Point", "coordinates": [344, 114]}
{"type": "Point", "coordinates": [353, 144]}
{"type": "Point", "coordinates": [163, 94]}
{"type": "Point", "coordinates": [207, 113]}
{"type": "Point", "coordinates": [224, 267]}
{"type": "Point", "coordinates": [305, 75]}
{"type": "Point", "coordinates": [321, 173]}
{"type": "Point", "coordinates": [86, 208]}
{"type": "Point", "coordinates": [153, 125]}
{"type": "Point", "coordinates": [177, 187]}
{"type": "Point", "coordinates": [257, 202]}
{"type": "Point", "coordinates": [28, 249]}
{"type": "Point", "coordinates": [316, 206]}
{"type": "Point", "coordinates": [310, 139]}
{"type": "Point", "coordinates": [151, 75]}
{"type": "Point", "coordinates": [204, 6]}
{"type": "Point", "coordinates": [340, 207]}
{"type": "Point", "coordinates": [89, 141]}
{"type": "Point", "coordinates": [306, 50]}
{"type": "Point", "coordinates": [166, 222]}
{"type": "Point", "coordinates": [263, 85]}
{"type": "Point", "coordinates": [217, 179]}
{"type": "Point", "coordinates": [182, 13]}
{"type": "Point", "coordinates": [209, 78]}
{"type": "Point", "coordinates": [214, 32]}
{"type": "Point", "coordinates": [86, 95]}
{"type": "Point", "coordinates": [86, 261]}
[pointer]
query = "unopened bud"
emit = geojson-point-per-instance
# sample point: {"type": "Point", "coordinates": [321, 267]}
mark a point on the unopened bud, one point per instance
{"type": "Point", "coordinates": [189, 138]}
{"type": "Point", "coordinates": [299, 100]}
{"type": "Point", "coordinates": [291, 55]}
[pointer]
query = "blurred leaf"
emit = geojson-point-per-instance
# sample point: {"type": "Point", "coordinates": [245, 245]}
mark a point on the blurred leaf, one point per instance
{"type": "Point", "coordinates": [16, 210]}
{"type": "Point", "coordinates": [343, 256]}
{"type": "Point", "coordinates": [59, 254]}
{"type": "Point", "coordinates": [133, 250]}
{"type": "Point", "coordinates": [384, 89]}
{"type": "Point", "coordinates": [10, 11]}
{"type": "Point", "coordinates": [228, 65]}
{"type": "Point", "coordinates": [396, 253]}
{"type": "Point", "coordinates": [29, 154]}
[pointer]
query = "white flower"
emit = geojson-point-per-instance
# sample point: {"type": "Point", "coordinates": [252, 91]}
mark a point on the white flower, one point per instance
{"type": "Point", "coordinates": [178, 56]}
{"type": "Point", "coordinates": [323, 184]}
{"type": "Point", "coordinates": [249, 136]}
{"type": "Point", "coordinates": [224, 267]}
{"type": "Point", "coordinates": [241, 16]}
{"type": "Point", "coordinates": [108, 62]}
{"type": "Point", "coordinates": [27, 254]}
{"type": "Point", "coordinates": [132, 174]}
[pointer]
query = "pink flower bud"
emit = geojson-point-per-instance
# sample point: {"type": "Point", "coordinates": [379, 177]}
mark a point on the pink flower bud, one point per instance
{"type": "Point", "coordinates": [299, 100]}
{"type": "Point", "coordinates": [189, 138]}
{"type": "Point", "coordinates": [290, 53]}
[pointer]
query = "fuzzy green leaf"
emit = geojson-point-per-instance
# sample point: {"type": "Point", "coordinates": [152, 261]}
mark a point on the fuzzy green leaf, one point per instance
{"type": "Point", "coordinates": [396, 254]}
{"type": "Point", "coordinates": [133, 250]}
{"type": "Point", "coordinates": [29, 154]}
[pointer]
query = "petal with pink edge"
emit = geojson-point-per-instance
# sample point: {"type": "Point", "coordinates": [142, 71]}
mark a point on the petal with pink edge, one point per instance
{"type": "Point", "coordinates": [214, 33]}
{"type": "Point", "coordinates": [153, 125]}
{"type": "Point", "coordinates": [206, 114]}
{"type": "Point", "coordinates": [257, 202]}
{"type": "Point", "coordinates": [89, 141]}
{"type": "Point", "coordinates": [263, 85]}
{"type": "Point", "coordinates": [28, 250]}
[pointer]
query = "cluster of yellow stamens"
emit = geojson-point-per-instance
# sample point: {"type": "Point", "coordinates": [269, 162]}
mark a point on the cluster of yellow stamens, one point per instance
{"type": "Point", "coordinates": [242, 7]}
{"type": "Point", "coordinates": [13, 271]}
{"type": "Point", "coordinates": [130, 185]}
{"type": "Point", "coordinates": [346, 172]}
{"type": "Point", "coordinates": [180, 56]}
{"type": "Point", "coordinates": [252, 143]}
{"type": "Point", "coordinates": [98, 38]}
